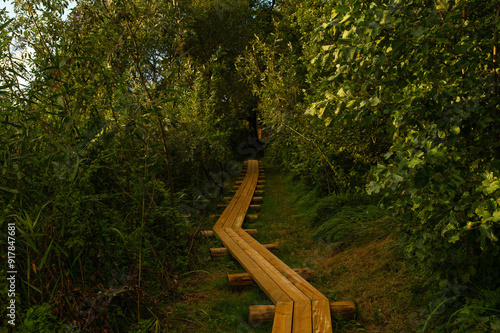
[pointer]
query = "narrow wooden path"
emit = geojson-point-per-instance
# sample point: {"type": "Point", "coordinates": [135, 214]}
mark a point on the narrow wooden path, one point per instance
{"type": "Point", "coordinates": [299, 307]}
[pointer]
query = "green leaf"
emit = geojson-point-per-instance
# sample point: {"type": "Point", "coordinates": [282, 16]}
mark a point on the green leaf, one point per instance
{"type": "Point", "coordinates": [3, 26]}
{"type": "Point", "coordinates": [442, 5]}
{"type": "Point", "coordinates": [374, 101]}
{"type": "Point", "coordinates": [45, 256]}
{"type": "Point", "coordinates": [454, 238]}
{"type": "Point", "coordinates": [421, 179]}
{"type": "Point", "coordinates": [418, 33]}
{"type": "Point", "coordinates": [487, 232]}
{"type": "Point", "coordinates": [495, 324]}
{"type": "Point", "coordinates": [349, 52]}
{"type": "Point", "coordinates": [341, 93]}
{"type": "Point", "coordinates": [385, 17]}
{"type": "Point", "coordinates": [11, 190]}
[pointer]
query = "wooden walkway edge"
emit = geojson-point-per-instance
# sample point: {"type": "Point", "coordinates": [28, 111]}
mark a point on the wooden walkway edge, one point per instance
{"type": "Point", "coordinates": [299, 307]}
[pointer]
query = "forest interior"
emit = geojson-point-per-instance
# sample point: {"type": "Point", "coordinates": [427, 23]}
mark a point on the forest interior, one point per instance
{"type": "Point", "coordinates": [124, 124]}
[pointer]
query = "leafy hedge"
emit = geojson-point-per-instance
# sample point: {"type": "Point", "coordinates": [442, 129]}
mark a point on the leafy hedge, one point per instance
{"type": "Point", "coordinates": [399, 98]}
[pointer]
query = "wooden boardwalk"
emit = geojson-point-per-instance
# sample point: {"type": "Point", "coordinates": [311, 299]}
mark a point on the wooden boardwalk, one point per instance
{"type": "Point", "coordinates": [299, 307]}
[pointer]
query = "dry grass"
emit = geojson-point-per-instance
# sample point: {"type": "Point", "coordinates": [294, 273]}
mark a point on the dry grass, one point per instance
{"type": "Point", "coordinates": [377, 281]}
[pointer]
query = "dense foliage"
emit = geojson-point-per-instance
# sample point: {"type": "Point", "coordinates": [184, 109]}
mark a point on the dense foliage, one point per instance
{"type": "Point", "coordinates": [399, 99]}
{"type": "Point", "coordinates": [113, 116]}
{"type": "Point", "coordinates": [109, 118]}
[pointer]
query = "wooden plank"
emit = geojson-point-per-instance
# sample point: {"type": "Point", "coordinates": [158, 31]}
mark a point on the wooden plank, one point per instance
{"type": "Point", "coordinates": [272, 289]}
{"type": "Point", "coordinates": [302, 316]}
{"type": "Point", "coordinates": [261, 314]}
{"type": "Point", "coordinates": [322, 320]}
{"type": "Point", "coordinates": [344, 309]}
{"type": "Point", "coordinates": [252, 216]}
{"type": "Point", "coordinates": [210, 233]}
{"type": "Point", "coordinates": [283, 318]}
{"type": "Point", "coordinates": [235, 217]}
{"type": "Point", "coordinates": [293, 292]}
{"type": "Point", "coordinates": [218, 252]}
{"type": "Point", "coordinates": [241, 206]}
{"type": "Point", "coordinates": [234, 207]}
{"type": "Point", "coordinates": [247, 192]}
{"type": "Point", "coordinates": [297, 280]}
{"type": "Point", "coordinates": [260, 192]}
{"type": "Point", "coordinates": [257, 200]}
{"type": "Point", "coordinates": [245, 279]}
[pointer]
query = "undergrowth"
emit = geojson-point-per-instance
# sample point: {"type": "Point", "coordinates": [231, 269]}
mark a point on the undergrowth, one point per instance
{"type": "Point", "coordinates": [360, 252]}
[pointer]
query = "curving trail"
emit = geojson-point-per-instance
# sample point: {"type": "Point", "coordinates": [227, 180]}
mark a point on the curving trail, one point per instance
{"type": "Point", "coordinates": [299, 306]}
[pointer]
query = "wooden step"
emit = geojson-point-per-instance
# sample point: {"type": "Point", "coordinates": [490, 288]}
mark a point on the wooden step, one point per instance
{"type": "Point", "coordinates": [244, 172]}
{"type": "Point", "coordinates": [260, 182]}
{"type": "Point", "coordinates": [246, 166]}
{"type": "Point", "coordinates": [219, 252]}
{"type": "Point", "coordinates": [257, 200]}
{"type": "Point", "coordinates": [258, 187]}
{"type": "Point", "coordinates": [245, 279]}
{"type": "Point", "coordinates": [248, 216]}
{"type": "Point", "coordinates": [210, 233]}
{"type": "Point", "coordinates": [265, 313]}
{"type": "Point", "coordinates": [255, 207]}
{"type": "Point", "coordinates": [269, 284]}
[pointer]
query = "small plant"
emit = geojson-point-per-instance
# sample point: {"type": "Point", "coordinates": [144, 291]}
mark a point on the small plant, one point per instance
{"type": "Point", "coordinates": [39, 318]}
{"type": "Point", "coordinates": [479, 313]}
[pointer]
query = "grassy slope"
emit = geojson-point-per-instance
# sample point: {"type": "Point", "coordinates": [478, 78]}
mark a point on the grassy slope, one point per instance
{"type": "Point", "coordinates": [368, 273]}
